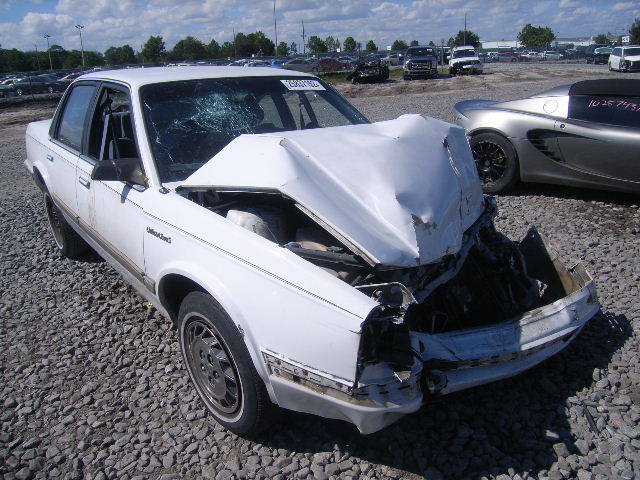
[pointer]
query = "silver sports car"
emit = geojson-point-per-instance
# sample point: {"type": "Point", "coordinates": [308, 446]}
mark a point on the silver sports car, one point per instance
{"type": "Point", "coordinates": [585, 134]}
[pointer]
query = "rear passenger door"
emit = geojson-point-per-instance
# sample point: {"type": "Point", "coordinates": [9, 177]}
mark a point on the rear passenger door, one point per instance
{"type": "Point", "coordinates": [112, 211]}
{"type": "Point", "coordinates": [67, 135]}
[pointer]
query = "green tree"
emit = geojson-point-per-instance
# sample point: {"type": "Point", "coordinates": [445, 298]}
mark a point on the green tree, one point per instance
{"type": "Point", "coordinates": [431, 44]}
{"type": "Point", "coordinates": [73, 60]}
{"type": "Point", "coordinates": [119, 55]}
{"type": "Point", "coordinates": [465, 37]}
{"type": "Point", "coordinates": [15, 60]}
{"type": "Point", "coordinates": [316, 45]}
{"type": "Point", "coordinates": [414, 43]}
{"type": "Point", "coordinates": [531, 36]}
{"type": "Point", "coordinates": [260, 43]}
{"type": "Point", "coordinates": [350, 45]}
{"type": "Point", "coordinates": [330, 42]}
{"type": "Point", "coordinates": [399, 45]}
{"type": "Point", "coordinates": [371, 47]}
{"type": "Point", "coordinates": [293, 48]}
{"type": "Point", "coordinates": [282, 50]}
{"type": "Point", "coordinates": [189, 48]}
{"type": "Point", "coordinates": [227, 50]}
{"type": "Point", "coordinates": [634, 32]}
{"type": "Point", "coordinates": [602, 38]}
{"type": "Point", "coordinates": [153, 50]}
{"type": "Point", "coordinates": [93, 59]}
{"type": "Point", "coordinates": [213, 49]}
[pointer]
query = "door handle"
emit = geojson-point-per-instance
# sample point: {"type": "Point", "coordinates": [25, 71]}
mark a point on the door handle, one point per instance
{"type": "Point", "coordinates": [84, 182]}
{"type": "Point", "coordinates": [50, 157]}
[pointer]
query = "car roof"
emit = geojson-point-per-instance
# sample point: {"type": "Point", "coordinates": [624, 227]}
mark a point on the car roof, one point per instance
{"type": "Point", "coordinates": [618, 87]}
{"type": "Point", "coordinates": [143, 76]}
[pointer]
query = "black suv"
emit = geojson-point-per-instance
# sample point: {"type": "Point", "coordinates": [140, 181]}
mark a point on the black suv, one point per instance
{"type": "Point", "coordinates": [420, 62]}
{"type": "Point", "coordinates": [590, 53]}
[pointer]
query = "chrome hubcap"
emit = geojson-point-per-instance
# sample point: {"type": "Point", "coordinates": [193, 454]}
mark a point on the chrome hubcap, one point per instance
{"type": "Point", "coordinates": [212, 366]}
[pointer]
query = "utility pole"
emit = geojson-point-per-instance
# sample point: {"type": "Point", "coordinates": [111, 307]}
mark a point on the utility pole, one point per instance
{"type": "Point", "coordinates": [37, 56]}
{"type": "Point", "coordinates": [464, 35]}
{"type": "Point", "coordinates": [304, 41]}
{"type": "Point", "coordinates": [47, 37]}
{"type": "Point", "coordinates": [235, 47]}
{"type": "Point", "coordinates": [275, 26]}
{"type": "Point", "coordinates": [80, 27]}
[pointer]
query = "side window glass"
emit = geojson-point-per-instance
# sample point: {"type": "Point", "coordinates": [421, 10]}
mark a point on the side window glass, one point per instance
{"type": "Point", "coordinates": [73, 116]}
{"type": "Point", "coordinates": [111, 127]}
{"type": "Point", "coordinates": [609, 110]}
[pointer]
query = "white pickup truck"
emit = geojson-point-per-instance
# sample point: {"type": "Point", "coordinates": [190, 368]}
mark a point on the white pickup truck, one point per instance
{"type": "Point", "coordinates": [309, 258]}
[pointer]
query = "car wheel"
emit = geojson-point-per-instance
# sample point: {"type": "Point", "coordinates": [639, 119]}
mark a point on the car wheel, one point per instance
{"type": "Point", "coordinates": [69, 243]}
{"type": "Point", "coordinates": [19, 91]}
{"type": "Point", "coordinates": [514, 60]}
{"type": "Point", "coordinates": [496, 161]}
{"type": "Point", "coordinates": [610, 69]}
{"type": "Point", "coordinates": [221, 368]}
{"type": "Point", "coordinates": [50, 89]}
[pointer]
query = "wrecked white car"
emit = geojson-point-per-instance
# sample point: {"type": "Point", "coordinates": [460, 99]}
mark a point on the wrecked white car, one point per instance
{"type": "Point", "coordinates": [310, 259]}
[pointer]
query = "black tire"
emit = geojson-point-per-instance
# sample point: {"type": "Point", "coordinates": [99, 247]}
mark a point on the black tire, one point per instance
{"type": "Point", "coordinates": [514, 60]}
{"type": "Point", "coordinates": [19, 92]}
{"type": "Point", "coordinates": [50, 89]}
{"type": "Point", "coordinates": [67, 240]}
{"type": "Point", "coordinates": [496, 161]}
{"type": "Point", "coordinates": [220, 367]}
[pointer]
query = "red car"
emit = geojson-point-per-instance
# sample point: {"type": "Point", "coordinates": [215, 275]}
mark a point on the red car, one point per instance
{"type": "Point", "coordinates": [331, 64]}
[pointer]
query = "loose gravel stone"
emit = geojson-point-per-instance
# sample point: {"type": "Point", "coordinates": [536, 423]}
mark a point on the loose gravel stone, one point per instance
{"type": "Point", "coordinates": [92, 384]}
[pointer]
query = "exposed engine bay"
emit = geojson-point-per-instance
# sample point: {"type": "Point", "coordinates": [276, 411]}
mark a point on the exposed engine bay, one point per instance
{"type": "Point", "coordinates": [486, 282]}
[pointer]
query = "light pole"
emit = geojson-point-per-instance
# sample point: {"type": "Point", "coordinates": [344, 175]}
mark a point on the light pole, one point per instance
{"type": "Point", "coordinates": [80, 27]}
{"type": "Point", "coordinates": [47, 37]}
{"type": "Point", "coordinates": [37, 56]}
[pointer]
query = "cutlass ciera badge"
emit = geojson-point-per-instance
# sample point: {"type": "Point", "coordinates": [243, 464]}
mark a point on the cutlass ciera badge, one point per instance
{"type": "Point", "coordinates": [159, 235]}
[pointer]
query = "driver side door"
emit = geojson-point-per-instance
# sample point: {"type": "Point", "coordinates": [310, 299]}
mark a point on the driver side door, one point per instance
{"type": "Point", "coordinates": [112, 211]}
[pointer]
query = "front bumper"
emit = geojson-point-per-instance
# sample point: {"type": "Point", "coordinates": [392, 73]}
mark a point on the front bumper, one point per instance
{"type": "Point", "coordinates": [426, 69]}
{"type": "Point", "coordinates": [450, 362]}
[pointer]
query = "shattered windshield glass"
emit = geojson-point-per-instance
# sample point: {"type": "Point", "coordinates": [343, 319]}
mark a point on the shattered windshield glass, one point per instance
{"type": "Point", "coordinates": [189, 122]}
{"type": "Point", "coordinates": [464, 53]}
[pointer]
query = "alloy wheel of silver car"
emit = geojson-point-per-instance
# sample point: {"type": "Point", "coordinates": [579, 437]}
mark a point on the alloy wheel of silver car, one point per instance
{"type": "Point", "coordinates": [495, 160]}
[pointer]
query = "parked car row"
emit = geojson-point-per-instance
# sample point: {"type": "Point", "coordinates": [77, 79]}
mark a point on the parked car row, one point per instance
{"type": "Point", "coordinates": [12, 86]}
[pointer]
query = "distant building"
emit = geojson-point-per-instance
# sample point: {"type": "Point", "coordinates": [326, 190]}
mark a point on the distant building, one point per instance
{"type": "Point", "coordinates": [577, 41]}
{"type": "Point", "coordinates": [501, 45]}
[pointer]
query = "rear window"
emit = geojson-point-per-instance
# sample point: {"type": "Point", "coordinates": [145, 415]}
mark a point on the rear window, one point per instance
{"type": "Point", "coordinates": [622, 111]}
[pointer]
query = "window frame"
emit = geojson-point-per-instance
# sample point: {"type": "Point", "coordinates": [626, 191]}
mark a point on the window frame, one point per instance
{"type": "Point", "coordinates": [54, 129]}
{"type": "Point", "coordinates": [102, 86]}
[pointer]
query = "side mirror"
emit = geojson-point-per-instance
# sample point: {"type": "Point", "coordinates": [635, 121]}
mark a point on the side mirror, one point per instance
{"type": "Point", "coordinates": [122, 169]}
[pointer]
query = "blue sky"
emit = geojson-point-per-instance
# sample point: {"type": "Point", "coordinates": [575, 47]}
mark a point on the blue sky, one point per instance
{"type": "Point", "coordinates": [116, 22]}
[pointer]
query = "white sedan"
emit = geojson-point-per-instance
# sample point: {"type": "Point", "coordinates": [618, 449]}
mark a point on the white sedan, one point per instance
{"type": "Point", "coordinates": [309, 258]}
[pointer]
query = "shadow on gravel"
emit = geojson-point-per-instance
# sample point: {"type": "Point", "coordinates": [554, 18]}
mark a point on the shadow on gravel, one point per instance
{"type": "Point", "coordinates": [561, 191]}
{"type": "Point", "coordinates": [514, 426]}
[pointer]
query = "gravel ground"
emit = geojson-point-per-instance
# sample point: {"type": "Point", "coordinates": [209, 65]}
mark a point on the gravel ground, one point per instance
{"type": "Point", "coordinates": [93, 387]}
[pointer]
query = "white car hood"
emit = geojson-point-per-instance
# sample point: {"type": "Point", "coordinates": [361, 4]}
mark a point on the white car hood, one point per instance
{"type": "Point", "coordinates": [462, 59]}
{"type": "Point", "coordinates": [397, 191]}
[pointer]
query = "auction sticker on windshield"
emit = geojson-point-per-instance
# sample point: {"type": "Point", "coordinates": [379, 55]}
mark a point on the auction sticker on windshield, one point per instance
{"type": "Point", "coordinates": [302, 84]}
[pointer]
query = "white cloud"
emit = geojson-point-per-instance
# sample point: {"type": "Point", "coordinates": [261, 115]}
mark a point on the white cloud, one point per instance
{"type": "Point", "coordinates": [623, 6]}
{"type": "Point", "coordinates": [568, 4]}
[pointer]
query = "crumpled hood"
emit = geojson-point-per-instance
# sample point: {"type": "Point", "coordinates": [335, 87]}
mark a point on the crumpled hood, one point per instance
{"type": "Point", "coordinates": [632, 58]}
{"type": "Point", "coordinates": [463, 59]}
{"type": "Point", "coordinates": [401, 192]}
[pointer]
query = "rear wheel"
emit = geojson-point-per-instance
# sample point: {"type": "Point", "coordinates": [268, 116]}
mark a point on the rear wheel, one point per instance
{"type": "Point", "coordinates": [50, 89]}
{"type": "Point", "coordinates": [19, 91]}
{"type": "Point", "coordinates": [221, 368]}
{"type": "Point", "coordinates": [69, 243]}
{"type": "Point", "coordinates": [496, 161]}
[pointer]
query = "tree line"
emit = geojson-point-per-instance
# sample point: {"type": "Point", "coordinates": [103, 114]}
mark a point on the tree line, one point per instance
{"type": "Point", "coordinates": [245, 45]}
